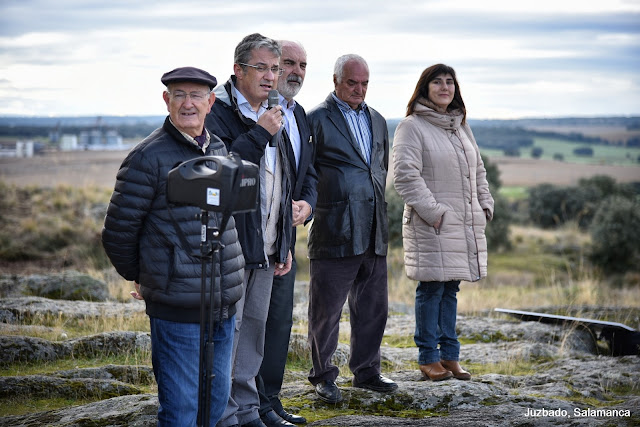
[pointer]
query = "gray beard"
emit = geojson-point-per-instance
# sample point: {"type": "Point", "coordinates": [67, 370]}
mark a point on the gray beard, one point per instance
{"type": "Point", "coordinates": [288, 90]}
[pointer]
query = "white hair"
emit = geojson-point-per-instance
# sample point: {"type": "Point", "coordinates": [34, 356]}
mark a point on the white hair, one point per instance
{"type": "Point", "coordinates": [338, 69]}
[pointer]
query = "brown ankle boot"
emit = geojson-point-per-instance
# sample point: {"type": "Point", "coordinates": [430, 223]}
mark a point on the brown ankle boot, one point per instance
{"type": "Point", "coordinates": [435, 372]}
{"type": "Point", "coordinates": [456, 369]}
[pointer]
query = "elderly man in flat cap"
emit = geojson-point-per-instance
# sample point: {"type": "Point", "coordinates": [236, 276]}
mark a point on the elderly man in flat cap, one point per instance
{"type": "Point", "coordinates": [142, 239]}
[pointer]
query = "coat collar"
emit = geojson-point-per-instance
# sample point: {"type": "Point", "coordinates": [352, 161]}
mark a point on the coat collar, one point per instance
{"type": "Point", "coordinates": [451, 120]}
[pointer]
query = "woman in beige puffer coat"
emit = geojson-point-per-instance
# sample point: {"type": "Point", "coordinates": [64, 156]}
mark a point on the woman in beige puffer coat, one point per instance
{"type": "Point", "coordinates": [440, 176]}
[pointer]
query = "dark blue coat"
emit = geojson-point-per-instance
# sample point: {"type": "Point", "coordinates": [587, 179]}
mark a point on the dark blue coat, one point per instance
{"type": "Point", "coordinates": [244, 137]}
{"type": "Point", "coordinates": [143, 244]}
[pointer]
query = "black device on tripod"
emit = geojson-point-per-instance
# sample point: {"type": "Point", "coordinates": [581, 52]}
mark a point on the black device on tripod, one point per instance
{"type": "Point", "coordinates": [219, 184]}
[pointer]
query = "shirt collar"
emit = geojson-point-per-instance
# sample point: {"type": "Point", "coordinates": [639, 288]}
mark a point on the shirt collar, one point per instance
{"type": "Point", "coordinates": [192, 139]}
{"type": "Point", "coordinates": [346, 107]}
{"type": "Point", "coordinates": [289, 105]}
{"type": "Point", "coordinates": [243, 103]}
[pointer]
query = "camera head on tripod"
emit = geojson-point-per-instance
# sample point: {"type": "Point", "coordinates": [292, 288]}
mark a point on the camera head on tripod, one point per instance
{"type": "Point", "coordinates": [215, 183]}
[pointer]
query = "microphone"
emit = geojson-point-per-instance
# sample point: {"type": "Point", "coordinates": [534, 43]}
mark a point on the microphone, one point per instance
{"type": "Point", "coordinates": [272, 101]}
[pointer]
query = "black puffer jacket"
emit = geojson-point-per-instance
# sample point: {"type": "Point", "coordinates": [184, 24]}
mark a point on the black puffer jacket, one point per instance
{"type": "Point", "coordinates": [142, 242]}
{"type": "Point", "coordinates": [249, 140]}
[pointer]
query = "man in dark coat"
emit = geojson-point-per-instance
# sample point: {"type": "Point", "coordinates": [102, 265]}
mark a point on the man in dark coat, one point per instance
{"type": "Point", "coordinates": [241, 118]}
{"type": "Point", "coordinates": [349, 234]}
{"type": "Point", "coordinates": [144, 241]}
{"type": "Point", "coordinates": [304, 179]}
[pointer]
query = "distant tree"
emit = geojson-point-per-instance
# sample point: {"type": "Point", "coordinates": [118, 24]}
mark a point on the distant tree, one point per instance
{"type": "Point", "coordinates": [536, 152]}
{"type": "Point", "coordinates": [493, 174]}
{"type": "Point", "coordinates": [497, 231]}
{"type": "Point", "coordinates": [546, 205]}
{"type": "Point", "coordinates": [559, 157]}
{"type": "Point", "coordinates": [395, 208]}
{"type": "Point", "coordinates": [511, 152]}
{"type": "Point", "coordinates": [583, 151]}
{"type": "Point", "coordinates": [550, 206]}
{"type": "Point", "coordinates": [615, 234]}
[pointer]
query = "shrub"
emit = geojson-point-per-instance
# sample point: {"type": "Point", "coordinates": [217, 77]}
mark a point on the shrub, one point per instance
{"type": "Point", "coordinates": [559, 157]}
{"type": "Point", "coordinates": [59, 224]}
{"type": "Point", "coordinates": [583, 151]}
{"type": "Point", "coordinates": [395, 206]}
{"type": "Point", "coordinates": [550, 205]}
{"type": "Point", "coordinates": [615, 234]}
{"type": "Point", "coordinates": [536, 152]}
{"type": "Point", "coordinates": [498, 229]}
{"type": "Point", "coordinates": [546, 205]}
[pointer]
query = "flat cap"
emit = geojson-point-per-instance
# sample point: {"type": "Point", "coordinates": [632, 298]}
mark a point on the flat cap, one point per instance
{"type": "Point", "coordinates": [189, 74]}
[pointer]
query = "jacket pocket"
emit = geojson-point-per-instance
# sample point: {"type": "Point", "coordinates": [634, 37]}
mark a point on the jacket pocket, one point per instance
{"type": "Point", "coordinates": [406, 214]}
{"type": "Point", "coordinates": [332, 223]}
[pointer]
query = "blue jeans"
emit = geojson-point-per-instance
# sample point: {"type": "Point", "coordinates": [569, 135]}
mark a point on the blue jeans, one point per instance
{"type": "Point", "coordinates": [436, 309]}
{"type": "Point", "coordinates": [175, 354]}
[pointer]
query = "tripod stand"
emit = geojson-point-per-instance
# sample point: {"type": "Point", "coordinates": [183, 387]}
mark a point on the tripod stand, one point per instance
{"type": "Point", "coordinates": [210, 246]}
{"type": "Point", "coordinates": [220, 184]}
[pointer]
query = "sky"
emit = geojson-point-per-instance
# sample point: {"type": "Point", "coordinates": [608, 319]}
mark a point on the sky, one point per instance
{"type": "Point", "coordinates": [513, 58]}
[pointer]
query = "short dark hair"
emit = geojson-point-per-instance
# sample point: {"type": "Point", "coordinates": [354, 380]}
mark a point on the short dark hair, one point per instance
{"type": "Point", "coordinates": [254, 41]}
{"type": "Point", "coordinates": [422, 89]}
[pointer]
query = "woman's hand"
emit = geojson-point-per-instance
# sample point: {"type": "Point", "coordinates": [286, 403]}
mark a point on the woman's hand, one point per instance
{"type": "Point", "coordinates": [437, 224]}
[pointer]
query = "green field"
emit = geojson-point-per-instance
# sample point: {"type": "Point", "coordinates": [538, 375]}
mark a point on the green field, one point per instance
{"type": "Point", "coordinates": [514, 193]}
{"type": "Point", "coordinates": [602, 154]}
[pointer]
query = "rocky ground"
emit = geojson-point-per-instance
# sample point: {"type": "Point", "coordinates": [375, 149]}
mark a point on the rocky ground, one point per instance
{"type": "Point", "coordinates": [550, 375]}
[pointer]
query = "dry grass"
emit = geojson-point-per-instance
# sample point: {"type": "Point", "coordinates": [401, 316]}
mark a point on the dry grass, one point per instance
{"type": "Point", "coordinates": [544, 269]}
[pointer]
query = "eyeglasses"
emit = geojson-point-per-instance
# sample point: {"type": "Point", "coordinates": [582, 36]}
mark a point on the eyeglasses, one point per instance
{"type": "Point", "coordinates": [261, 68]}
{"type": "Point", "coordinates": [197, 96]}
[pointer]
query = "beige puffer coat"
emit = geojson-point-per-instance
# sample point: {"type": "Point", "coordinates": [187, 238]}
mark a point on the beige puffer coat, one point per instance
{"type": "Point", "coordinates": [439, 173]}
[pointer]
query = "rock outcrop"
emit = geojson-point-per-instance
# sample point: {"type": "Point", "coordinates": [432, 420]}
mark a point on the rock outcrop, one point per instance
{"type": "Point", "coordinates": [68, 285]}
{"type": "Point", "coordinates": [549, 375]}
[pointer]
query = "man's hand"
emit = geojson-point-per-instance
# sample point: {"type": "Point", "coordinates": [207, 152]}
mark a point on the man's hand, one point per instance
{"type": "Point", "coordinates": [301, 211]}
{"type": "Point", "coordinates": [283, 268]}
{"type": "Point", "coordinates": [271, 119]}
{"type": "Point", "coordinates": [136, 293]}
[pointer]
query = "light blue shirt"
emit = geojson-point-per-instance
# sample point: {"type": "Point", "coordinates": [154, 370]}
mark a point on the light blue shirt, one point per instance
{"type": "Point", "coordinates": [360, 125]}
{"type": "Point", "coordinates": [247, 111]}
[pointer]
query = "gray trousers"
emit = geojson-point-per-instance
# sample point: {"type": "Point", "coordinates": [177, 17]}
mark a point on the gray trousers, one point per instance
{"type": "Point", "coordinates": [248, 347]}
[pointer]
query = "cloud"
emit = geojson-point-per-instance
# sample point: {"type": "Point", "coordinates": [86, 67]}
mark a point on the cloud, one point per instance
{"type": "Point", "coordinates": [513, 58]}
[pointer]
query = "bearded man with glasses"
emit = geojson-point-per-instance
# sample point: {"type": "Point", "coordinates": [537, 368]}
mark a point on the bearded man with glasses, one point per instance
{"type": "Point", "coordinates": [241, 118]}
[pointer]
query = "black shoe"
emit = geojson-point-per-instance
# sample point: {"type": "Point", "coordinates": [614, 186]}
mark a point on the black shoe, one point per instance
{"type": "Point", "coordinates": [255, 423]}
{"type": "Point", "coordinates": [377, 383]}
{"type": "Point", "coordinates": [328, 391]}
{"type": "Point", "coordinates": [271, 419]}
{"type": "Point", "coordinates": [295, 419]}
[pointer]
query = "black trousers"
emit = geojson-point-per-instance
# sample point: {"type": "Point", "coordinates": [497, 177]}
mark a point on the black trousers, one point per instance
{"type": "Point", "coordinates": [363, 280]}
{"type": "Point", "coordinates": [276, 341]}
